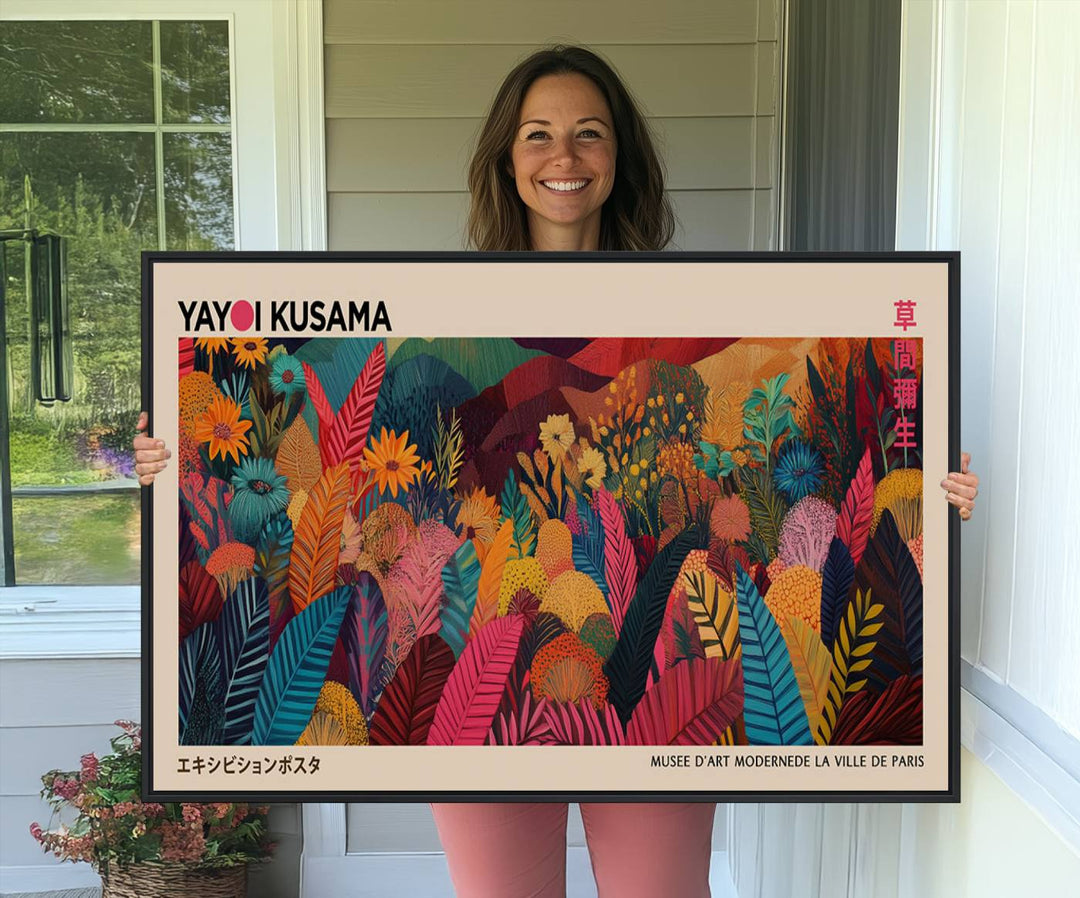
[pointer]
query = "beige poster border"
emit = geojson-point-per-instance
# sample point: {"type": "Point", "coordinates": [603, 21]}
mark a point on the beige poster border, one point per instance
{"type": "Point", "coordinates": [559, 297]}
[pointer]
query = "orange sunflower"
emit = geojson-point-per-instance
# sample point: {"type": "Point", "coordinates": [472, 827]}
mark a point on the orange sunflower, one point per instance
{"type": "Point", "coordinates": [391, 462]}
{"type": "Point", "coordinates": [211, 344]}
{"type": "Point", "coordinates": [221, 427]}
{"type": "Point", "coordinates": [249, 351]}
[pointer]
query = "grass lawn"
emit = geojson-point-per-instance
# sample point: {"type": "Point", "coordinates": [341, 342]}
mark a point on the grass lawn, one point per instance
{"type": "Point", "coordinates": [77, 540]}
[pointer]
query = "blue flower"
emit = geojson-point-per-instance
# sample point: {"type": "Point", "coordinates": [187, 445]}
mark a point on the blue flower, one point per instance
{"type": "Point", "coordinates": [286, 375]}
{"type": "Point", "coordinates": [259, 494]}
{"type": "Point", "coordinates": [799, 470]}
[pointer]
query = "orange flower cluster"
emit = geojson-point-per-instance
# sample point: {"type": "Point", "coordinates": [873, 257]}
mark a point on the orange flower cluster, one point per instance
{"type": "Point", "coordinates": [568, 670]}
{"type": "Point", "coordinates": [336, 720]}
{"type": "Point", "coordinates": [197, 391]}
{"type": "Point", "coordinates": [230, 564]}
{"type": "Point", "coordinates": [900, 491]}
{"type": "Point", "coordinates": [677, 459]}
{"type": "Point", "coordinates": [618, 429]}
{"type": "Point", "coordinates": [555, 548]}
{"type": "Point", "coordinates": [916, 548]}
{"type": "Point", "coordinates": [518, 574]}
{"type": "Point", "coordinates": [696, 562]}
{"type": "Point", "coordinates": [796, 591]}
{"type": "Point", "coordinates": [730, 519]}
{"type": "Point", "coordinates": [670, 418]}
{"type": "Point", "coordinates": [573, 596]}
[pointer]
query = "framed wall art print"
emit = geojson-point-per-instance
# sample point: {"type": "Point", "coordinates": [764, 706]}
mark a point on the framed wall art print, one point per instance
{"type": "Point", "coordinates": [459, 526]}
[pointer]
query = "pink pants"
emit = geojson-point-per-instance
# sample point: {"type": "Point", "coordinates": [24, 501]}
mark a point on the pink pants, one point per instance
{"type": "Point", "coordinates": [519, 850]}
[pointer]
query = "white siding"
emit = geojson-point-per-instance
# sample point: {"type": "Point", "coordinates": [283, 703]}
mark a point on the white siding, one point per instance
{"type": "Point", "coordinates": [408, 83]}
{"type": "Point", "coordinates": [1008, 197]}
{"type": "Point", "coordinates": [52, 713]}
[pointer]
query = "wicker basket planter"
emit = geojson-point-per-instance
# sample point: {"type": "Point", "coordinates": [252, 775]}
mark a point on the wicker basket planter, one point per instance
{"type": "Point", "coordinates": [174, 881]}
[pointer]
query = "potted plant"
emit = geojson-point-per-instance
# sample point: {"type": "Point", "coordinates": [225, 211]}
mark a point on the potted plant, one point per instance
{"type": "Point", "coordinates": [141, 848]}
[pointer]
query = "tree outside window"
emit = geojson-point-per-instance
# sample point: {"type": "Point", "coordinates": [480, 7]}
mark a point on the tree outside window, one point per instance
{"type": "Point", "coordinates": [118, 136]}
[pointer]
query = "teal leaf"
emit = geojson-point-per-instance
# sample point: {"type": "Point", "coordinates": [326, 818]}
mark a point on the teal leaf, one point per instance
{"type": "Point", "coordinates": [461, 579]}
{"type": "Point", "coordinates": [774, 712]}
{"type": "Point", "coordinates": [588, 545]}
{"type": "Point", "coordinates": [243, 637]}
{"type": "Point", "coordinates": [192, 650]}
{"type": "Point", "coordinates": [297, 670]}
{"type": "Point", "coordinates": [707, 461]}
{"type": "Point", "coordinates": [516, 507]}
{"type": "Point", "coordinates": [205, 719]}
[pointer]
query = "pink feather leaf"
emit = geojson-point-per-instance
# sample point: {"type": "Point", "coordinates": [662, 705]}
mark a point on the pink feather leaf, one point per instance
{"type": "Point", "coordinates": [853, 524]}
{"type": "Point", "coordinates": [620, 562]}
{"type": "Point", "coordinates": [475, 687]}
{"type": "Point", "coordinates": [692, 704]}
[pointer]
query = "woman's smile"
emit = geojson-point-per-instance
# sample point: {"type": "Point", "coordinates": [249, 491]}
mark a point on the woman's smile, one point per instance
{"type": "Point", "coordinates": [563, 161]}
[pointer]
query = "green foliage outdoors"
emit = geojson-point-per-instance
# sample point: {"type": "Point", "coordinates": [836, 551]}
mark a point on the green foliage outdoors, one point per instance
{"type": "Point", "coordinates": [99, 190]}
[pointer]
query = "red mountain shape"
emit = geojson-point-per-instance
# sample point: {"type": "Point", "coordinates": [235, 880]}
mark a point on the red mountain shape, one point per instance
{"type": "Point", "coordinates": [607, 356]}
{"type": "Point", "coordinates": [543, 373]}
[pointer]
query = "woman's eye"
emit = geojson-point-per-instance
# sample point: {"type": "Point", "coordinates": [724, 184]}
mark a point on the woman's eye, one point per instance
{"type": "Point", "coordinates": [533, 135]}
{"type": "Point", "coordinates": [589, 132]}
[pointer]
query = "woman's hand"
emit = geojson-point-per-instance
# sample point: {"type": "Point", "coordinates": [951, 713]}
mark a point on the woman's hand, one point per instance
{"type": "Point", "coordinates": [150, 454]}
{"type": "Point", "coordinates": [962, 488]}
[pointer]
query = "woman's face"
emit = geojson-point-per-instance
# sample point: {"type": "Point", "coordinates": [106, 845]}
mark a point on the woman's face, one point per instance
{"type": "Point", "coordinates": [563, 156]}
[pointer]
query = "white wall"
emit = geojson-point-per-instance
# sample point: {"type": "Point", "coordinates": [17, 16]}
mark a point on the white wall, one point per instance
{"type": "Point", "coordinates": [408, 83]}
{"type": "Point", "coordinates": [989, 164]}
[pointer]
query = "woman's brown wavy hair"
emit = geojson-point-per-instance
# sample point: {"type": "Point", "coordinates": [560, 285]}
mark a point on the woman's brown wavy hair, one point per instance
{"type": "Point", "coordinates": [637, 214]}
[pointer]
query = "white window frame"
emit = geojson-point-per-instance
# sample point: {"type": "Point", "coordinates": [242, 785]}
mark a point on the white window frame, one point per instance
{"type": "Point", "coordinates": [1034, 756]}
{"type": "Point", "coordinates": [279, 184]}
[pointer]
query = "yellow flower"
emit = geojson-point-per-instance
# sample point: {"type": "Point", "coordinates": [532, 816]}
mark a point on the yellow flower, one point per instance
{"type": "Point", "coordinates": [393, 464]}
{"type": "Point", "coordinates": [221, 427]}
{"type": "Point", "coordinates": [592, 463]}
{"type": "Point", "coordinates": [249, 351]}
{"type": "Point", "coordinates": [635, 469]}
{"type": "Point", "coordinates": [479, 515]}
{"type": "Point", "coordinates": [212, 344]}
{"type": "Point", "coordinates": [679, 397]}
{"type": "Point", "coordinates": [556, 435]}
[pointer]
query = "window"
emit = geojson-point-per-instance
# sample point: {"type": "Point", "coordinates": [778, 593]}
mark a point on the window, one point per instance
{"type": "Point", "coordinates": [118, 136]}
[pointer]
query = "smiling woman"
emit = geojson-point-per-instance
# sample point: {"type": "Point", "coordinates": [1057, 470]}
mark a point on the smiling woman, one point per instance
{"type": "Point", "coordinates": [565, 161]}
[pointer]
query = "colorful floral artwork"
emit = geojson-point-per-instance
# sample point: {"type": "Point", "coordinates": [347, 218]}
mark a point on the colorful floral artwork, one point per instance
{"type": "Point", "coordinates": [613, 541]}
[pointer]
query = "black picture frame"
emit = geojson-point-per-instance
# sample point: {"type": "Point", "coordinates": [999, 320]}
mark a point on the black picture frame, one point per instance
{"type": "Point", "coordinates": [950, 794]}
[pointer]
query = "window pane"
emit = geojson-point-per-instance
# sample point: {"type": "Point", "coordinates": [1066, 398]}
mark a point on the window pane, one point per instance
{"type": "Point", "coordinates": [198, 192]}
{"type": "Point", "coordinates": [195, 71]}
{"type": "Point", "coordinates": [78, 540]}
{"type": "Point", "coordinates": [98, 190]}
{"type": "Point", "coordinates": [76, 72]}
